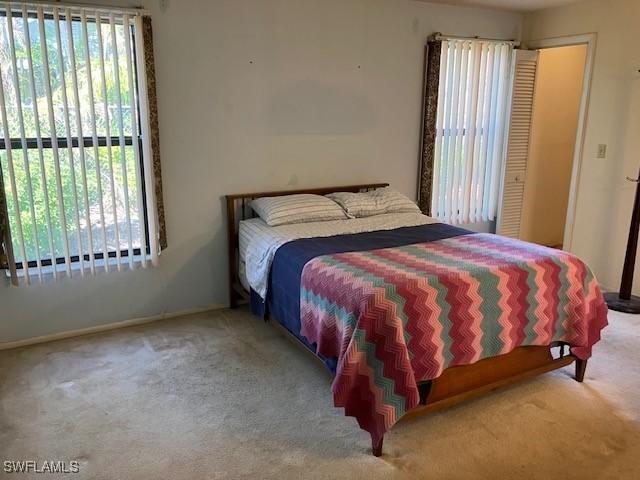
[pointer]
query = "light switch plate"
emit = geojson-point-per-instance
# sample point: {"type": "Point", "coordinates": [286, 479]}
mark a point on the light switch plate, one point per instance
{"type": "Point", "coordinates": [602, 150]}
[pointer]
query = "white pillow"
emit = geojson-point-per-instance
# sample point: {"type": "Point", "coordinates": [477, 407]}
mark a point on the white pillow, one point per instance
{"type": "Point", "coordinates": [375, 202]}
{"type": "Point", "coordinates": [304, 207]}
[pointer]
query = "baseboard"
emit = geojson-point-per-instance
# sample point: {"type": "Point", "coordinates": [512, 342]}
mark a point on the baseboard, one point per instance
{"type": "Point", "coordinates": [105, 327]}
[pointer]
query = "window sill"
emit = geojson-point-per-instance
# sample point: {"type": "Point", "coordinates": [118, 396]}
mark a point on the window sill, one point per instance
{"type": "Point", "coordinates": [76, 267]}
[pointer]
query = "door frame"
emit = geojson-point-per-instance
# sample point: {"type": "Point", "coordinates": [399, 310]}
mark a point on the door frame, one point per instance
{"type": "Point", "coordinates": [588, 39]}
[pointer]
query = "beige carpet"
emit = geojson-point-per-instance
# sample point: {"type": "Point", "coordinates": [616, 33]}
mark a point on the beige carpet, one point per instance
{"type": "Point", "coordinates": [222, 395]}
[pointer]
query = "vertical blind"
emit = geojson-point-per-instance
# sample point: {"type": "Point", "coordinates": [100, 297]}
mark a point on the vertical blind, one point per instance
{"type": "Point", "coordinates": [470, 126]}
{"type": "Point", "coordinates": [75, 148]}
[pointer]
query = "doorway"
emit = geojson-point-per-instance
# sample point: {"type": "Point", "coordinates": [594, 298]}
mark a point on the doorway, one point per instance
{"type": "Point", "coordinates": [554, 127]}
{"type": "Point", "coordinates": [518, 172]}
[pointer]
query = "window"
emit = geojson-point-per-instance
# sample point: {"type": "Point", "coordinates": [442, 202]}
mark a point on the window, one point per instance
{"type": "Point", "coordinates": [470, 127]}
{"type": "Point", "coordinates": [75, 153]}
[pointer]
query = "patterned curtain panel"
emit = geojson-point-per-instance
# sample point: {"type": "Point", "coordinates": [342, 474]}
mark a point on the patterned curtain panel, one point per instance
{"type": "Point", "coordinates": [149, 61]}
{"type": "Point", "coordinates": [430, 108]}
{"type": "Point", "coordinates": [7, 262]}
{"type": "Point", "coordinates": [4, 228]}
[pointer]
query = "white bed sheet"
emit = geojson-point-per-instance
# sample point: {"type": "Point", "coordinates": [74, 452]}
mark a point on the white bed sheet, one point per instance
{"type": "Point", "coordinates": [242, 274]}
{"type": "Point", "coordinates": [258, 242]}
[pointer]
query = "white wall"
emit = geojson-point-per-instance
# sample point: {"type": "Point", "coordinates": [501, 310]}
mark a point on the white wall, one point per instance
{"type": "Point", "coordinates": [260, 95]}
{"type": "Point", "coordinates": [556, 106]}
{"type": "Point", "coordinates": [604, 199]}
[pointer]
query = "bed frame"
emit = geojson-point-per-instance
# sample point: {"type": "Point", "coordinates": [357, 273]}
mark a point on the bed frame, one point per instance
{"type": "Point", "coordinates": [456, 384]}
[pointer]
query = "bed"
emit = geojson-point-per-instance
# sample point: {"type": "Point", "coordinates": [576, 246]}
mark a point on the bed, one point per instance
{"type": "Point", "coordinates": [410, 315]}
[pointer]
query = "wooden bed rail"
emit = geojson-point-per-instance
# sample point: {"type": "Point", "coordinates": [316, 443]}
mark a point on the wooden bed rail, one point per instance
{"type": "Point", "coordinates": [466, 382]}
{"type": "Point", "coordinates": [239, 208]}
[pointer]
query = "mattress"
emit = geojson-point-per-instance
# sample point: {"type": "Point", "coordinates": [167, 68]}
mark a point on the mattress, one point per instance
{"type": "Point", "coordinates": [258, 242]}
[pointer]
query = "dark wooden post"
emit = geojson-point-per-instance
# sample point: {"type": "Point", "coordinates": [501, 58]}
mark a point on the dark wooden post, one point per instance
{"type": "Point", "coordinates": [624, 301]}
{"type": "Point", "coordinates": [232, 247]}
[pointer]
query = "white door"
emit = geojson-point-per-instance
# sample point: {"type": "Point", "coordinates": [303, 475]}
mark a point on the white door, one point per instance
{"type": "Point", "coordinates": [517, 148]}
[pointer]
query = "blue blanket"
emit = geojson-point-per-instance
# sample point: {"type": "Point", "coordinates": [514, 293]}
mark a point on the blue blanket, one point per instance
{"type": "Point", "coordinates": [283, 288]}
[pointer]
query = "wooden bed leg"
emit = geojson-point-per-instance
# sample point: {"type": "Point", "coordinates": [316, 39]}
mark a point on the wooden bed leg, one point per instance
{"type": "Point", "coordinates": [424, 389]}
{"type": "Point", "coordinates": [233, 301]}
{"type": "Point", "coordinates": [581, 366]}
{"type": "Point", "coordinates": [376, 448]}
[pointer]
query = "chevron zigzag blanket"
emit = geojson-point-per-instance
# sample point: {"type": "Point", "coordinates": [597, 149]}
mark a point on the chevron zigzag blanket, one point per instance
{"type": "Point", "coordinates": [397, 316]}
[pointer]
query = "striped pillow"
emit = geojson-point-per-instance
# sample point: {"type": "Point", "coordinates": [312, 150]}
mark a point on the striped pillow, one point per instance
{"type": "Point", "coordinates": [297, 208]}
{"type": "Point", "coordinates": [375, 202]}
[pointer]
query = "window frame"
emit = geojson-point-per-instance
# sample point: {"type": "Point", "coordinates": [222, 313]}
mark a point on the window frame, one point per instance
{"type": "Point", "coordinates": [87, 142]}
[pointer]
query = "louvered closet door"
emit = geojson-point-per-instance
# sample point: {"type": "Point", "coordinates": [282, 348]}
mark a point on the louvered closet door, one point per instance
{"type": "Point", "coordinates": [515, 169]}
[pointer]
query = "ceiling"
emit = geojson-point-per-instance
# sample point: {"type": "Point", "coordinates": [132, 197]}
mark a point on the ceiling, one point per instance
{"type": "Point", "coordinates": [513, 5]}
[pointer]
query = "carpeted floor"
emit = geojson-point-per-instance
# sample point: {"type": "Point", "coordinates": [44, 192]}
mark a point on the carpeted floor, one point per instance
{"type": "Point", "coordinates": [223, 395]}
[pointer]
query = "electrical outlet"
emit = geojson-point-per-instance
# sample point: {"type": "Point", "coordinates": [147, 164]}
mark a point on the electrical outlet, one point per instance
{"type": "Point", "coordinates": [602, 150]}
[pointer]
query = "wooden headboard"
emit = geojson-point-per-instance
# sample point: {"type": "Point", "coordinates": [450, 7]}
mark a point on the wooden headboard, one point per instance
{"type": "Point", "coordinates": [238, 208]}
